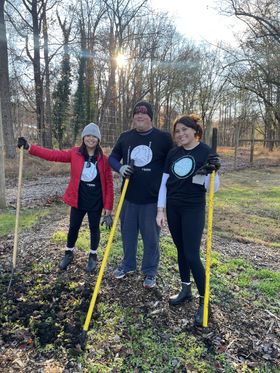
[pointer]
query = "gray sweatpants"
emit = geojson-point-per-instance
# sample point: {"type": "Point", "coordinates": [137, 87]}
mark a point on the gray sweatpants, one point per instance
{"type": "Point", "coordinates": [135, 218]}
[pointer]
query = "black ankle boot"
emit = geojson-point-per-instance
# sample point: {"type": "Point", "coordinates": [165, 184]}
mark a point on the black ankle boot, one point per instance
{"type": "Point", "coordinates": [184, 295]}
{"type": "Point", "coordinates": [91, 263]}
{"type": "Point", "coordinates": [198, 319]}
{"type": "Point", "coordinates": [68, 257]}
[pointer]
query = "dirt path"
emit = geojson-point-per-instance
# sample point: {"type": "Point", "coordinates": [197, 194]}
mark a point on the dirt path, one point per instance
{"type": "Point", "coordinates": [37, 192]}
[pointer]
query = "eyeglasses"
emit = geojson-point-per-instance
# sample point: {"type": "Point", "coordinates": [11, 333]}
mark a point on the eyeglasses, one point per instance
{"type": "Point", "coordinates": [140, 109]}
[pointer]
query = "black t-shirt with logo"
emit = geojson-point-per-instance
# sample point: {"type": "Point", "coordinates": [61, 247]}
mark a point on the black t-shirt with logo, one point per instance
{"type": "Point", "coordinates": [149, 150]}
{"type": "Point", "coordinates": [90, 192]}
{"type": "Point", "coordinates": [181, 165]}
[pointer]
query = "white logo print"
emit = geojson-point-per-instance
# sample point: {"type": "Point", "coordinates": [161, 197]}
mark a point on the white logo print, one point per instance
{"type": "Point", "coordinates": [183, 167]}
{"type": "Point", "coordinates": [142, 155]}
{"type": "Point", "coordinates": [89, 173]}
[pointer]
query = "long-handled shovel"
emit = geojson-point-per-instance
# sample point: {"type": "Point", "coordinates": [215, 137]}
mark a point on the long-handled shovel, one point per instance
{"type": "Point", "coordinates": [209, 234]}
{"type": "Point", "coordinates": [103, 265]}
{"type": "Point", "coordinates": [17, 216]}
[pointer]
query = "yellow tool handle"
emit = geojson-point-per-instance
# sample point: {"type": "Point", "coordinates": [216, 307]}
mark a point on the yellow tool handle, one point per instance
{"type": "Point", "coordinates": [105, 258]}
{"type": "Point", "coordinates": [18, 207]}
{"type": "Point", "coordinates": [208, 249]}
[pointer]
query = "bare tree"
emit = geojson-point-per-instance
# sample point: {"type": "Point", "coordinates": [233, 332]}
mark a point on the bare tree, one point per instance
{"type": "Point", "coordinates": [211, 83]}
{"type": "Point", "coordinates": [31, 16]}
{"type": "Point", "coordinates": [121, 13]}
{"type": "Point", "coordinates": [254, 66]}
{"type": "Point", "coordinates": [8, 131]}
{"type": "Point", "coordinates": [2, 165]}
{"type": "Point", "coordinates": [48, 110]}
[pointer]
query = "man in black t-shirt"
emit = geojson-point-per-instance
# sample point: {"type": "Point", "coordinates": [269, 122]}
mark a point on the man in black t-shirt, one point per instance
{"type": "Point", "coordinates": [147, 146]}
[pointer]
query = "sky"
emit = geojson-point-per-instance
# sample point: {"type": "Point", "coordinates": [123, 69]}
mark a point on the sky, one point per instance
{"type": "Point", "coordinates": [198, 20]}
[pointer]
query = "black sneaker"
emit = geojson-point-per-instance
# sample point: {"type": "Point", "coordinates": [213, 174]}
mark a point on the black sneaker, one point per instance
{"type": "Point", "coordinates": [68, 258]}
{"type": "Point", "coordinates": [91, 263]}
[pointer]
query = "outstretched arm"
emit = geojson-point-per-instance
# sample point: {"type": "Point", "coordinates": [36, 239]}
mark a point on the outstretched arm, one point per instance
{"type": "Point", "coordinates": [45, 153]}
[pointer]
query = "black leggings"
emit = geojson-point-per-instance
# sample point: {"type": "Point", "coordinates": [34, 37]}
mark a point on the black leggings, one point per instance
{"type": "Point", "coordinates": [76, 218]}
{"type": "Point", "coordinates": [186, 228]}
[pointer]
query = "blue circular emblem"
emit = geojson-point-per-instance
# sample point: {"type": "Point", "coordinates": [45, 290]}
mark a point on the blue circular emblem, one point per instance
{"type": "Point", "coordinates": [183, 167]}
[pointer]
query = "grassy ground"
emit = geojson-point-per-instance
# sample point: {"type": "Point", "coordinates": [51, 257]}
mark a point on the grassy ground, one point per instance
{"type": "Point", "coordinates": [134, 330]}
{"type": "Point", "coordinates": [132, 333]}
{"type": "Point", "coordinates": [28, 218]}
{"type": "Point", "coordinates": [247, 207]}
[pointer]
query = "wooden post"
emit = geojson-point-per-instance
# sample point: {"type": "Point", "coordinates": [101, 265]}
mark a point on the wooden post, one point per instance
{"type": "Point", "coordinates": [2, 165]}
{"type": "Point", "coordinates": [252, 143]}
{"type": "Point", "coordinates": [237, 127]}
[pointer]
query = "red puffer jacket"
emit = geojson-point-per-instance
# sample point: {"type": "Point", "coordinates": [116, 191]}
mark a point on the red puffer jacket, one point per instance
{"type": "Point", "coordinates": [77, 160]}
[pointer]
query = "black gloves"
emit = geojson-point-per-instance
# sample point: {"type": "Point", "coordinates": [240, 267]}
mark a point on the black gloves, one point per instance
{"type": "Point", "coordinates": [126, 170]}
{"type": "Point", "coordinates": [213, 164]}
{"type": "Point", "coordinates": [108, 221]}
{"type": "Point", "coordinates": [214, 160]}
{"type": "Point", "coordinates": [22, 142]}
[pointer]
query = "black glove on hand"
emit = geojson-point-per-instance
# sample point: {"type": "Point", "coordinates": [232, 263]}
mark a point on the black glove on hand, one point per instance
{"type": "Point", "coordinates": [22, 142]}
{"type": "Point", "coordinates": [214, 160]}
{"type": "Point", "coordinates": [205, 170]}
{"type": "Point", "coordinates": [213, 164]}
{"type": "Point", "coordinates": [108, 221]}
{"type": "Point", "coordinates": [126, 170]}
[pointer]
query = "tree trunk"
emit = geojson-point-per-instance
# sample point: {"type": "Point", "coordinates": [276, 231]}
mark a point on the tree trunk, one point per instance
{"type": "Point", "coordinates": [237, 132]}
{"type": "Point", "coordinates": [37, 74]}
{"type": "Point", "coordinates": [252, 143]}
{"type": "Point", "coordinates": [48, 114]}
{"type": "Point", "coordinates": [2, 166]}
{"type": "Point", "coordinates": [7, 124]}
{"type": "Point", "coordinates": [109, 106]}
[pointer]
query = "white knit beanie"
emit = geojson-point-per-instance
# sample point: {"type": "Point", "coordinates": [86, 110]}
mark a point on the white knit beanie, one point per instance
{"type": "Point", "coordinates": [91, 129]}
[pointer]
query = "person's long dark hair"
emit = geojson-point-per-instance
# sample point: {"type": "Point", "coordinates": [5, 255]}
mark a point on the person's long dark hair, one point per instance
{"type": "Point", "coordinates": [84, 152]}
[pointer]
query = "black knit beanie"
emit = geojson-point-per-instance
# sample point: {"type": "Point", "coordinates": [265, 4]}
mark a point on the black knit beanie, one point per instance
{"type": "Point", "coordinates": [143, 107]}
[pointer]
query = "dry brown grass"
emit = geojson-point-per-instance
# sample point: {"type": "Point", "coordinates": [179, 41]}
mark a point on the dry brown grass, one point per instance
{"type": "Point", "coordinates": [259, 152]}
{"type": "Point", "coordinates": [225, 151]}
{"type": "Point", "coordinates": [262, 152]}
{"type": "Point", "coordinates": [34, 167]}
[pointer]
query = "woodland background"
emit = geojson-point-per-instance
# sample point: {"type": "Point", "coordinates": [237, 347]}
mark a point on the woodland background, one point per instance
{"type": "Point", "coordinates": [65, 63]}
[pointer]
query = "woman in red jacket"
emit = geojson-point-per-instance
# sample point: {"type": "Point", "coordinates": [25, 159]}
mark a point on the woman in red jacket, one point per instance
{"type": "Point", "coordinates": [90, 188]}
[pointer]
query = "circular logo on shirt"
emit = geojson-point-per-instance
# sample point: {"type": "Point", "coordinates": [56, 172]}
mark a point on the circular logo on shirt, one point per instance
{"type": "Point", "coordinates": [142, 155]}
{"type": "Point", "coordinates": [183, 167]}
{"type": "Point", "coordinates": [89, 173]}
